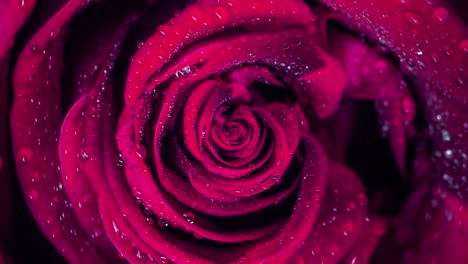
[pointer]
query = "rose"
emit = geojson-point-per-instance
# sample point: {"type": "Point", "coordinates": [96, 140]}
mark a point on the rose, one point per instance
{"type": "Point", "coordinates": [82, 191]}
{"type": "Point", "coordinates": [24, 155]}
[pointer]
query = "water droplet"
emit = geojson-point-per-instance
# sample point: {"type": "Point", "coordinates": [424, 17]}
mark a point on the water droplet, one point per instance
{"type": "Point", "coordinates": [119, 161]}
{"type": "Point", "coordinates": [84, 155]}
{"type": "Point", "coordinates": [440, 15]}
{"type": "Point", "coordinates": [445, 135]}
{"type": "Point", "coordinates": [140, 151]}
{"type": "Point", "coordinates": [447, 50]}
{"type": "Point", "coordinates": [24, 155]}
{"type": "Point", "coordinates": [183, 72]}
{"type": "Point", "coordinates": [83, 200]}
{"type": "Point", "coordinates": [189, 217]}
{"type": "Point", "coordinates": [196, 13]}
{"type": "Point", "coordinates": [33, 194]}
{"type": "Point", "coordinates": [412, 18]}
{"type": "Point", "coordinates": [34, 48]}
{"type": "Point", "coordinates": [163, 260]}
{"type": "Point", "coordinates": [448, 154]}
{"type": "Point", "coordinates": [150, 220]}
{"type": "Point", "coordinates": [96, 234]}
{"type": "Point", "coordinates": [464, 46]}
{"type": "Point", "coordinates": [459, 80]}
{"type": "Point", "coordinates": [147, 212]}
{"type": "Point", "coordinates": [162, 222]}
{"type": "Point", "coordinates": [382, 47]}
{"type": "Point", "coordinates": [221, 13]}
{"type": "Point", "coordinates": [407, 66]}
{"type": "Point", "coordinates": [114, 225]}
{"type": "Point", "coordinates": [163, 30]}
{"type": "Point", "coordinates": [50, 219]}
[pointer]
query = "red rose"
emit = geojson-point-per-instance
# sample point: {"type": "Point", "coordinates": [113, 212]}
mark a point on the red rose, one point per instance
{"type": "Point", "coordinates": [236, 131]}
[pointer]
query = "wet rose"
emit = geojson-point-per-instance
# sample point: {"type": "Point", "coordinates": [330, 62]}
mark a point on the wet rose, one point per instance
{"type": "Point", "coordinates": [239, 131]}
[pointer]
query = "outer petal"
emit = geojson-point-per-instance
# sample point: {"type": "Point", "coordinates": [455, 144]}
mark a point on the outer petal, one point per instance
{"type": "Point", "coordinates": [343, 228]}
{"type": "Point", "coordinates": [433, 52]}
{"type": "Point", "coordinates": [35, 122]}
{"type": "Point", "coordinates": [13, 13]}
{"type": "Point", "coordinates": [431, 45]}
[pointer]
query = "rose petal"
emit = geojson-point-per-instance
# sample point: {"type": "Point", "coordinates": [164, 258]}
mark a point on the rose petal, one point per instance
{"type": "Point", "coordinates": [35, 85]}
{"type": "Point", "coordinates": [343, 217]}
{"type": "Point", "coordinates": [12, 16]}
{"type": "Point", "coordinates": [432, 52]}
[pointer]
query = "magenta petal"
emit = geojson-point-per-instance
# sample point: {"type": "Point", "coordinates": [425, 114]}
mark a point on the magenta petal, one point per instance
{"type": "Point", "coordinates": [373, 76]}
{"type": "Point", "coordinates": [366, 243]}
{"type": "Point", "coordinates": [300, 223]}
{"type": "Point", "coordinates": [444, 238]}
{"type": "Point", "coordinates": [35, 91]}
{"type": "Point", "coordinates": [12, 16]}
{"type": "Point", "coordinates": [370, 74]}
{"type": "Point", "coordinates": [342, 217]}
{"type": "Point", "coordinates": [196, 152]}
{"type": "Point", "coordinates": [140, 72]}
{"type": "Point", "coordinates": [431, 51]}
{"type": "Point", "coordinates": [325, 85]}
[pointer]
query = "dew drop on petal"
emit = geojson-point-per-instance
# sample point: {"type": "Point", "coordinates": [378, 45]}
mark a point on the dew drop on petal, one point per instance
{"type": "Point", "coordinates": [440, 15]}
{"type": "Point", "coordinates": [140, 151]}
{"type": "Point", "coordinates": [150, 220]}
{"type": "Point", "coordinates": [183, 72]}
{"type": "Point", "coordinates": [448, 153]}
{"type": "Point", "coordinates": [119, 161]}
{"type": "Point", "coordinates": [412, 18]}
{"type": "Point", "coordinates": [163, 260]}
{"type": "Point", "coordinates": [221, 13]}
{"type": "Point", "coordinates": [162, 222]}
{"type": "Point", "coordinates": [189, 217]}
{"type": "Point", "coordinates": [164, 29]}
{"type": "Point", "coordinates": [84, 155]}
{"type": "Point", "coordinates": [445, 135]}
{"type": "Point", "coordinates": [114, 225]}
{"type": "Point", "coordinates": [464, 46]}
{"type": "Point", "coordinates": [448, 51]}
{"type": "Point", "coordinates": [33, 194]}
{"type": "Point", "coordinates": [83, 200]}
{"type": "Point", "coordinates": [147, 212]}
{"type": "Point", "coordinates": [24, 155]}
